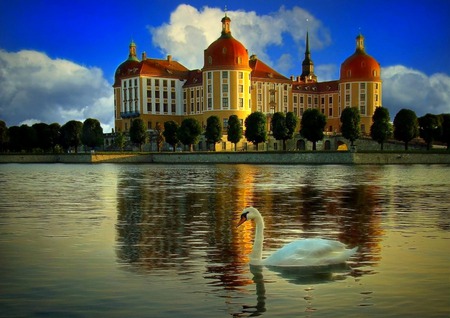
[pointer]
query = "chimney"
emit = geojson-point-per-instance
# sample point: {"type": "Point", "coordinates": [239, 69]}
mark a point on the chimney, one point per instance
{"type": "Point", "coordinates": [169, 58]}
{"type": "Point", "coordinates": [144, 56]}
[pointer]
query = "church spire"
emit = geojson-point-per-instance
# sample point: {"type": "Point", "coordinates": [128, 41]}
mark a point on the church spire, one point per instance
{"type": "Point", "coordinates": [308, 65]}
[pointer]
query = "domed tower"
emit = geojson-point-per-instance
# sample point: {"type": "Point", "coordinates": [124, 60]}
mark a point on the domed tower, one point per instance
{"type": "Point", "coordinates": [360, 84]}
{"type": "Point", "coordinates": [126, 85]}
{"type": "Point", "coordinates": [226, 77]}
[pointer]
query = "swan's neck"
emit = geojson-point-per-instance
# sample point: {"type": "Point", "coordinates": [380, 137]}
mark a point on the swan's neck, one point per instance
{"type": "Point", "coordinates": [256, 254]}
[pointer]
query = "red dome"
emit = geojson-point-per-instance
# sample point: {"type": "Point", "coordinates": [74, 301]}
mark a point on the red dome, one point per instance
{"type": "Point", "coordinates": [226, 52]}
{"type": "Point", "coordinates": [360, 65]}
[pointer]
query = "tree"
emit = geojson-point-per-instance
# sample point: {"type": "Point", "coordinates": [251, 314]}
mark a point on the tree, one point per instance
{"type": "Point", "coordinates": [138, 132]}
{"type": "Point", "coordinates": [28, 138]}
{"type": "Point", "coordinates": [291, 124]}
{"type": "Point", "coordinates": [234, 130]}
{"type": "Point", "coordinates": [171, 133]}
{"type": "Point", "coordinates": [92, 133]}
{"type": "Point", "coordinates": [158, 136]}
{"type": "Point", "coordinates": [279, 129]}
{"type": "Point", "coordinates": [71, 134]}
{"type": "Point", "coordinates": [55, 135]}
{"type": "Point", "coordinates": [15, 144]}
{"type": "Point", "coordinates": [445, 136]}
{"type": "Point", "coordinates": [213, 131]}
{"type": "Point", "coordinates": [351, 122]}
{"type": "Point", "coordinates": [430, 128]}
{"type": "Point", "coordinates": [406, 126]}
{"type": "Point", "coordinates": [4, 137]}
{"type": "Point", "coordinates": [189, 132]}
{"type": "Point", "coordinates": [119, 140]}
{"type": "Point", "coordinates": [381, 129]}
{"type": "Point", "coordinates": [255, 128]}
{"type": "Point", "coordinates": [312, 125]}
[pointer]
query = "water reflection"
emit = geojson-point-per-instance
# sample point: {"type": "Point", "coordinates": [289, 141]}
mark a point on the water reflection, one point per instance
{"type": "Point", "coordinates": [174, 218]}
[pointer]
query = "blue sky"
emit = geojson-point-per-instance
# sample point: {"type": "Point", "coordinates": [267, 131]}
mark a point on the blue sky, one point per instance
{"type": "Point", "coordinates": [58, 58]}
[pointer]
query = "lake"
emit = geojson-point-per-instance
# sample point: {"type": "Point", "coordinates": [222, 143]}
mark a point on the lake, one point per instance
{"type": "Point", "coordinates": [112, 240]}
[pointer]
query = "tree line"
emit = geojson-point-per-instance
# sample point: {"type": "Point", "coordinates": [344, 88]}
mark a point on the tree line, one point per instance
{"type": "Point", "coordinates": [42, 137]}
{"type": "Point", "coordinates": [55, 138]}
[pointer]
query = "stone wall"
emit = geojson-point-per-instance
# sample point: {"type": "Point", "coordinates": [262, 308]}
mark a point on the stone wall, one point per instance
{"type": "Point", "coordinates": [320, 157]}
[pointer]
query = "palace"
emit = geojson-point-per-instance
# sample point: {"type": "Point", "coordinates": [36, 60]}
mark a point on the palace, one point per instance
{"type": "Point", "coordinates": [233, 83]}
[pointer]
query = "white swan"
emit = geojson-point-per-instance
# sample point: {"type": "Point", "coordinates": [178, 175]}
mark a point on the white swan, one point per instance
{"type": "Point", "coordinates": [306, 252]}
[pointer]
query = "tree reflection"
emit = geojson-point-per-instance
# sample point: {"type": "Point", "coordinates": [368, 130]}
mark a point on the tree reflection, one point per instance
{"type": "Point", "coordinates": [184, 219]}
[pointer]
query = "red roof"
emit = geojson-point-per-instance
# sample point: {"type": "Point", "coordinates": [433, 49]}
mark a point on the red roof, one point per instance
{"type": "Point", "coordinates": [262, 71]}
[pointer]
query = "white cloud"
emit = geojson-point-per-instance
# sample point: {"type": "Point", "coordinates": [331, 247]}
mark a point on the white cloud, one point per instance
{"type": "Point", "coordinates": [409, 88]}
{"type": "Point", "coordinates": [190, 31]}
{"type": "Point", "coordinates": [36, 88]}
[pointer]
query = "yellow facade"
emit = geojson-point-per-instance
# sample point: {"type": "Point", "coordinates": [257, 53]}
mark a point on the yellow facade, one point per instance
{"type": "Point", "coordinates": [162, 90]}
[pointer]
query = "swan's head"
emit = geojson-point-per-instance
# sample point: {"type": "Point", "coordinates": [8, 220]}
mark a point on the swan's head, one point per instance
{"type": "Point", "coordinates": [249, 213]}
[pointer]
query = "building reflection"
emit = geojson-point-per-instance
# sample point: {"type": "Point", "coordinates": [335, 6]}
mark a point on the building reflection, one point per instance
{"type": "Point", "coordinates": [185, 219]}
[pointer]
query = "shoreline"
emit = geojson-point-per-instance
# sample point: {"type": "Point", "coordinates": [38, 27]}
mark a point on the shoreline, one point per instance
{"type": "Point", "coordinates": [294, 158]}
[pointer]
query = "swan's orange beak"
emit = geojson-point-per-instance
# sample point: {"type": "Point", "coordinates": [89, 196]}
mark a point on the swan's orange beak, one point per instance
{"type": "Point", "coordinates": [242, 220]}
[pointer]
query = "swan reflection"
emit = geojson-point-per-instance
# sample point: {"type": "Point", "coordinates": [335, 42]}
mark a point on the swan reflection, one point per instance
{"type": "Point", "coordinates": [306, 276]}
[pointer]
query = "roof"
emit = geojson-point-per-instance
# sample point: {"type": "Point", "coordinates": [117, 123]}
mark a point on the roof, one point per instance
{"type": "Point", "coordinates": [318, 87]}
{"type": "Point", "coordinates": [167, 68]}
{"type": "Point", "coordinates": [261, 71]}
{"type": "Point", "coordinates": [194, 78]}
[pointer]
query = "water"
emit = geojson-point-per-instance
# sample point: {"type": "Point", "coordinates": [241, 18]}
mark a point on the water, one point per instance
{"type": "Point", "coordinates": [112, 240]}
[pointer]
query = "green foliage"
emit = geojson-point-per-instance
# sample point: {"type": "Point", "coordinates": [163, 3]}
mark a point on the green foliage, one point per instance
{"type": "Point", "coordinates": [381, 129]}
{"type": "Point", "coordinates": [138, 132]}
{"type": "Point", "coordinates": [283, 126]}
{"type": "Point", "coordinates": [55, 136]}
{"type": "Point", "coordinates": [213, 131]}
{"type": "Point", "coordinates": [406, 126]}
{"type": "Point", "coordinates": [255, 128]}
{"type": "Point", "coordinates": [119, 140]}
{"type": "Point", "coordinates": [4, 136]}
{"type": "Point", "coordinates": [234, 130]}
{"type": "Point", "coordinates": [312, 125]}
{"type": "Point", "coordinates": [291, 123]}
{"type": "Point", "coordinates": [189, 132]}
{"type": "Point", "coordinates": [430, 128]}
{"type": "Point", "coordinates": [350, 124]}
{"type": "Point", "coordinates": [158, 136]}
{"type": "Point", "coordinates": [171, 133]}
{"type": "Point", "coordinates": [92, 133]}
{"type": "Point", "coordinates": [445, 136]}
{"type": "Point", "coordinates": [278, 125]}
{"type": "Point", "coordinates": [71, 135]}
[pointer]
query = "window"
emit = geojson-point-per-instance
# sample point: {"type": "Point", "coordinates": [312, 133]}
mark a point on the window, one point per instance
{"type": "Point", "coordinates": [209, 75]}
{"type": "Point", "coordinates": [225, 102]}
{"type": "Point", "coordinates": [241, 88]}
{"type": "Point", "coordinates": [225, 88]}
{"type": "Point", "coordinates": [164, 83]}
{"type": "Point", "coordinates": [241, 103]}
{"type": "Point", "coordinates": [157, 107]}
{"type": "Point", "coordinates": [347, 86]}
{"type": "Point", "coordinates": [156, 82]}
{"type": "Point", "coordinates": [165, 108]}
{"type": "Point", "coordinates": [224, 74]}
{"type": "Point", "coordinates": [362, 85]}
{"type": "Point", "coordinates": [330, 112]}
{"type": "Point", "coordinates": [149, 93]}
{"type": "Point", "coordinates": [330, 100]}
{"type": "Point", "coordinates": [241, 75]}
{"type": "Point", "coordinates": [225, 123]}
{"type": "Point", "coordinates": [149, 107]}
{"type": "Point", "coordinates": [173, 108]}
{"type": "Point", "coordinates": [209, 103]}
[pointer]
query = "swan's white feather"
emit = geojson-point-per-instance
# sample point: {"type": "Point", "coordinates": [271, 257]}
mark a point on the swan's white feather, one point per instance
{"type": "Point", "coordinates": [310, 252]}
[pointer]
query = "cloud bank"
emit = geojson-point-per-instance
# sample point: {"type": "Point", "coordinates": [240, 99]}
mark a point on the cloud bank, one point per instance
{"type": "Point", "coordinates": [35, 88]}
{"type": "Point", "coordinates": [409, 88]}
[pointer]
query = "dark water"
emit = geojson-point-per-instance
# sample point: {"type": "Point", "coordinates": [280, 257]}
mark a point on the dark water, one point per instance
{"type": "Point", "coordinates": [161, 241]}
